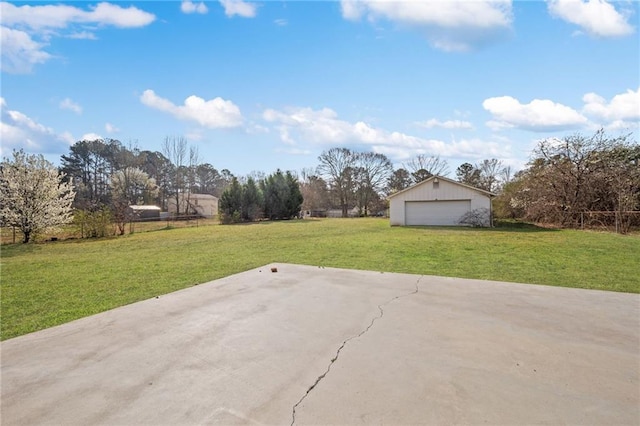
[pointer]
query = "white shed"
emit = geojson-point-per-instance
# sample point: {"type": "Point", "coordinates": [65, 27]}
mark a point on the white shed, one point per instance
{"type": "Point", "coordinates": [204, 205]}
{"type": "Point", "coordinates": [437, 201]}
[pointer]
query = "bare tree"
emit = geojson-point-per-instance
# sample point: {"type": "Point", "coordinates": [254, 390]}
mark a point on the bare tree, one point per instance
{"type": "Point", "coordinates": [372, 172]}
{"type": "Point", "coordinates": [336, 167]}
{"type": "Point", "coordinates": [191, 176]}
{"type": "Point", "coordinates": [490, 171]}
{"type": "Point", "coordinates": [422, 167]}
{"type": "Point", "coordinates": [175, 150]}
{"type": "Point", "coordinates": [506, 175]}
{"type": "Point", "coordinates": [579, 174]}
{"type": "Point", "coordinates": [314, 191]}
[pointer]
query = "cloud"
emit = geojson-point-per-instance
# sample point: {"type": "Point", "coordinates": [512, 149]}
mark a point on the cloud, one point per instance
{"type": "Point", "coordinates": [596, 17]}
{"type": "Point", "coordinates": [622, 107]}
{"type": "Point", "coordinates": [239, 7]}
{"type": "Point", "coordinates": [187, 6]}
{"type": "Point", "coordinates": [456, 25]}
{"type": "Point", "coordinates": [19, 131]}
{"type": "Point", "coordinates": [324, 127]}
{"type": "Point", "coordinates": [82, 35]}
{"type": "Point", "coordinates": [448, 124]}
{"type": "Point", "coordinates": [281, 22]}
{"type": "Point", "coordinates": [214, 113]}
{"type": "Point", "coordinates": [67, 103]}
{"type": "Point", "coordinates": [537, 116]}
{"type": "Point", "coordinates": [27, 30]}
{"type": "Point", "coordinates": [20, 52]}
{"type": "Point", "coordinates": [90, 137]}
{"type": "Point", "coordinates": [61, 16]}
{"type": "Point", "coordinates": [110, 128]}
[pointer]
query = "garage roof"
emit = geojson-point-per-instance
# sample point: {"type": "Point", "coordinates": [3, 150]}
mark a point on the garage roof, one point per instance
{"type": "Point", "coordinates": [482, 191]}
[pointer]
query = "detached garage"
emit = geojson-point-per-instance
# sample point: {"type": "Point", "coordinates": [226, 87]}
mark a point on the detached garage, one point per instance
{"type": "Point", "coordinates": [437, 201]}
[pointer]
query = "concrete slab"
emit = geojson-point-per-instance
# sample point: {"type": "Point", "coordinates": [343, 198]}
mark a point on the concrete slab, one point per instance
{"type": "Point", "coordinates": [309, 345]}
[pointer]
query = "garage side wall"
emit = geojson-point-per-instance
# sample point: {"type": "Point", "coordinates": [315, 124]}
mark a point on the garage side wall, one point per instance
{"type": "Point", "coordinates": [428, 191]}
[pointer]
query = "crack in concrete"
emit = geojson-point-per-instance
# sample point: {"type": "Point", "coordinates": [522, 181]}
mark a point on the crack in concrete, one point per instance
{"type": "Point", "coordinates": [335, 358]}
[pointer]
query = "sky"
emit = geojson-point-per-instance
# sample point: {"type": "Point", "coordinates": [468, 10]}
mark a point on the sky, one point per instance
{"type": "Point", "coordinates": [257, 86]}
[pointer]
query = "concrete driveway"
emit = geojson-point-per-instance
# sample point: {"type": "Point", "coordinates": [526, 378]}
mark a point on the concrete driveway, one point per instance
{"type": "Point", "coordinates": [309, 345]}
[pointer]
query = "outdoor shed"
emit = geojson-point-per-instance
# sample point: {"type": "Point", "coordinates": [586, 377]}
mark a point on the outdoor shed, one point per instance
{"type": "Point", "coordinates": [436, 201]}
{"type": "Point", "coordinates": [143, 213]}
{"type": "Point", "coordinates": [203, 205]}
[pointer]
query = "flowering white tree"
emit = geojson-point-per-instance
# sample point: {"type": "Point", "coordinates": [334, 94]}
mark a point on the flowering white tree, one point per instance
{"type": "Point", "coordinates": [33, 197]}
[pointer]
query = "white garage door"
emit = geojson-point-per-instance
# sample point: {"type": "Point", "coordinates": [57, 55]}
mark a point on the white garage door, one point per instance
{"type": "Point", "coordinates": [438, 213]}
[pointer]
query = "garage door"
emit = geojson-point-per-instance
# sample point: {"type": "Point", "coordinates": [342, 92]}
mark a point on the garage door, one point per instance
{"type": "Point", "coordinates": [439, 213]}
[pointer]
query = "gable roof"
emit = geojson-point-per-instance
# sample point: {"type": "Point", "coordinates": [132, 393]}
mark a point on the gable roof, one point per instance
{"type": "Point", "coordinates": [195, 196]}
{"type": "Point", "coordinates": [455, 182]}
{"type": "Point", "coordinates": [147, 207]}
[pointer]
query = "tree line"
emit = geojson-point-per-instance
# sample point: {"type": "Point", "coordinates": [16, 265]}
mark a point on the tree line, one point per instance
{"type": "Point", "coordinates": [99, 179]}
{"type": "Point", "coordinates": [92, 165]}
{"type": "Point", "coordinates": [358, 183]}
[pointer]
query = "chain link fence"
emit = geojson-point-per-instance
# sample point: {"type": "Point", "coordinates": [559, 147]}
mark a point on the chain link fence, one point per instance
{"type": "Point", "coordinates": [620, 222]}
{"type": "Point", "coordinates": [10, 235]}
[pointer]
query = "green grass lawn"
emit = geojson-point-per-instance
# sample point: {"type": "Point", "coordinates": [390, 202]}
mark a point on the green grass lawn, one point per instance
{"type": "Point", "coordinates": [48, 284]}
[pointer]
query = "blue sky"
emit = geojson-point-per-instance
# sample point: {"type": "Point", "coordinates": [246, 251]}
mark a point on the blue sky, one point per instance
{"type": "Point", "coordinates": [271, 84]}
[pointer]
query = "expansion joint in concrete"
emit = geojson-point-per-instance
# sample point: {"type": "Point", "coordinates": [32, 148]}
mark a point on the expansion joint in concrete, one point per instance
{"type": "Point", "coordinates": [335, 358]}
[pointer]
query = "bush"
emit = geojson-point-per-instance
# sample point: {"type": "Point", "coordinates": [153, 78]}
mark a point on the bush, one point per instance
{"type": "Point", "coordinates": [93, 224]}
{"type": "Point", "coordinates": [227, 219]}
{"type": "Point", "coordinates": [478, 218]}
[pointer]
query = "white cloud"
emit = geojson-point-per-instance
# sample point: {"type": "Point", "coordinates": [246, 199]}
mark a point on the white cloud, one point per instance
{"type": "Point", "coordinates": [20, 52]}
{"type": "Point", "coordinates": [67, 137]}
{"type": "Point", "coordinates": [597, 17]}
{"type": "Point", "coordinates": [27, 30]}
{"type": "Point", "coordinates": [187, 6]}
{"type": "Point", "coordinates": [19, 131]}
{"type": "Point", "coordinates": [456, 25]}
{"type": "Point", "coordinates": [110, 128]}
{"type": "Point", "coordinates": [538, 115]}
{"type": "Point", "coordinates": [214, 113]}
{"type": "Point", "coordinates": [90, 137]}
{"type": "Point", "coordinates": [324, 127]}
{"type": "Point", "coordinates": [256, 129]}
{"type": "Point", "coordinates": [447, 124]}
{"type": "Point", "coordinates": [82, 35]}
{"type": "Point", "coordinates": [622, 125]}
{"type": "Point", "coordinates": [622, 107]}
{"type": "Point", "coordinates": [67, 103]}
{"type": "Point", "coordinates": [61, 16]}
{"type": "Point", "coordinates": [281, 22]}
{"type": "Point", "coordinates": [239, 7]}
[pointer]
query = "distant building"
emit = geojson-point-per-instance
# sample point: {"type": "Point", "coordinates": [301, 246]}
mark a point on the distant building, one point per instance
{"type": "Point", "coordinates": [143, 213]}
{"type": "Point", "coordinates": [203, 205]}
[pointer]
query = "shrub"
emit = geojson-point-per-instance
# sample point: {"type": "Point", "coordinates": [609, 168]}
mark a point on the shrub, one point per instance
{"type": "Point", "coordinates": [478, 218]}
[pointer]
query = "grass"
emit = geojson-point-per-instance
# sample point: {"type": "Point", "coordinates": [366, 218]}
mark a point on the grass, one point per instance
{"type": "Point", "coordinates": [48, 284]}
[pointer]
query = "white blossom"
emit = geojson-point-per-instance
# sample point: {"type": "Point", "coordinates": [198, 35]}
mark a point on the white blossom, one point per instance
{"type": "Point", "coordinates": [33, 196]}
